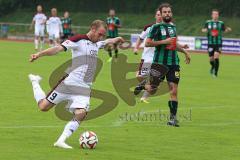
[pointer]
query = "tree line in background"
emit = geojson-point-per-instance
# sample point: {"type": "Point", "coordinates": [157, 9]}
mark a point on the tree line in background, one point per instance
{"type": "Point", "coordinates": [229, 8]}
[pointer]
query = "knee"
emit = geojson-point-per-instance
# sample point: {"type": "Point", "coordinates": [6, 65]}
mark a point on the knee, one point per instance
{"type": "Point", "coordinates": [151, 89]}
{"type": "Point", "coordinates": [43, 107]}
{"type": "Point", "coordinates": [173, 92]}
{"type": "Point", "coordinates": [80, 114]}
{"type": "Point", "coordinates": [211, 58]}
{"type": "Point", "coordinates": [139, 78]}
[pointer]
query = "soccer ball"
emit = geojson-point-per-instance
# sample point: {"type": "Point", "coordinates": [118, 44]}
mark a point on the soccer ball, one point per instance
{"type": "Point", "coordinates": [88, 140]}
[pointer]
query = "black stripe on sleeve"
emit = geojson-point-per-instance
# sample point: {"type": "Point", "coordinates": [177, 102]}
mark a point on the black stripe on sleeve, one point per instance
{"type": "Point", "coordinates": [65, 48]}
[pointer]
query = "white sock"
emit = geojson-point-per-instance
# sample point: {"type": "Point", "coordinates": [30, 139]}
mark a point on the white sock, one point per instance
{"type": "Point", "coordinates": [145, 95]}
{"type": "Point", "coordinates": [36, 43]}
{"type": "Point", "coordinates": [70, 127]}
{"type": "Point", "coordinates": [37, 91]}
{"type": "Point", "coordinates": [41, 44]}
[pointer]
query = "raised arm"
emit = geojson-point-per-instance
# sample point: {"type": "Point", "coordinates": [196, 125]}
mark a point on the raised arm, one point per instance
{"type": "Point", "coordinates": [47, 52]}
{"type": "Point", "coordinates": [114, 40]}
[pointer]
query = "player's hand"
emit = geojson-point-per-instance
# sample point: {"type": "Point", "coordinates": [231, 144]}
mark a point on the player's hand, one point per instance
{"type": "Point", "coordinates": [135, 51]}
{"type": "Point", "coordinates": [185, 46]}
{"type": "Point", "coordinates": [228, 29]}
{"type": "Point", "coordinates": [187, 58]}
{"type": "Point", "coordinates": [33, 57]}
{"type": "Point", "coordinates": [204, 30]}
{"type": "Point", "coordinates": [169, 40]}
{"type": "Point", "coordinates": [121, 40]}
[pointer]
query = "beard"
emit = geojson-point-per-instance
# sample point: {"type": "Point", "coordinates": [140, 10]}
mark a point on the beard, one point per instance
{"type": "Point", "coordinates": [167, 19]}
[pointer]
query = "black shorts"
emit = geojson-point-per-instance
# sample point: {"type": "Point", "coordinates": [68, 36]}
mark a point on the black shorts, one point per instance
{"type": "Point", "coordinates": [158, 73]}
{"type": "Point", "coordinates": [214, 48]}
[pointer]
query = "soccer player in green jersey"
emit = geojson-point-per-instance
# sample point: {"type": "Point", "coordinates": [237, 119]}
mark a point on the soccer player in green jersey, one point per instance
{"type": "Point", "coordinates": [163, 37]}
{"type": "Point", "coordinates": [113, 23]}
{"type": "Point", "coordinates": [66, 24]}
{"type": "Point", "coordinates": [214, 29]}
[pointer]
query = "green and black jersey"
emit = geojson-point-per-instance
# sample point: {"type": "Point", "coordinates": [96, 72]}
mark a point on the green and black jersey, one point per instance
{"type": "Point", "coordinates": [66, 24]}
{"type": "Point", "coordinates": [162, 54]}
{"type": "Point", "coordinates": [112, 29]}
{"type": "Point", "coordinates": [214, 34]}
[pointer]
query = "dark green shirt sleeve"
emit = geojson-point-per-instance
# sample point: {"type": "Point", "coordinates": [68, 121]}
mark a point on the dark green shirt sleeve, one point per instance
{"type": "Point", "coordinates": [223, 27]}
{"type": "Point", "coordinates": [118, 22]}
{"type": "Point", "coordinates": [153, 32]}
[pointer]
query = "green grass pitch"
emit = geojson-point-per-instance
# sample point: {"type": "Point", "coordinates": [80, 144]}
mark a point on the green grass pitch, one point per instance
{"type": "Point", "coordinates": [212, 132]}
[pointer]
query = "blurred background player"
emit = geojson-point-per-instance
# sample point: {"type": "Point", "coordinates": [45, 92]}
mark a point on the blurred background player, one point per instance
{"type": "Point", "coordinates": [214, 29]}
{"type": "Point", "coordinates": [147, 55]}
{"type": "Point", "coordinates": [54, 28]}
{"type": "Point", "coordinates": [66, 25]}
{"type": "Point", "coordinates": [163, 37]}
{"type": "Point", "coordinates": [113, 23]}
{"type": "Point", "coordinates": [39, 20]}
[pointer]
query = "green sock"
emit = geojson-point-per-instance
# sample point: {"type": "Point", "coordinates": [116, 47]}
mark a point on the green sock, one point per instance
{"type": "Point", "coordinates": [173, 105]}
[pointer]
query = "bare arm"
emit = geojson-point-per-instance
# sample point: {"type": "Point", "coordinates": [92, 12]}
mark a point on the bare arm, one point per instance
{"type": "Point", "coordinates": [32, 24]}
{"type": "Point", "coordinates": [186, 53]}
{"type": "Point", "coordinates": [118, 25]}
{"type": "Point", "coordinates": [150, 43]}
{"type": "Point", "coordinates": [47, 52]}
{"type": "Point", "coordinates": [114, 40]}
{"type": "Point", "coordinates": [138, 43]}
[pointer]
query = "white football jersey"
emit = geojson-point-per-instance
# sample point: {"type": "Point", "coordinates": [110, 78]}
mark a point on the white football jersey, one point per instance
{"type": "Point", "coordinates": [54, 25]}
{"type": "Point", "coordinates": [148, 52]}
{"type": "Point", "coordinates": [84, 60]}
{"type": "Point", "coordinates": [39, 19]}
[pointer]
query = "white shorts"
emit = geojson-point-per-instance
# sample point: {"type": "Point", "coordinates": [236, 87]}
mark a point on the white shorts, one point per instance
{"type": "Point", "coordinates": [54, 35]}
{"type": "Point", "coordinates": [74, 100]}
{"type": "Point", "coordinates": [39, 31]}
{"type": "Point", "coordinates": [144, 68]}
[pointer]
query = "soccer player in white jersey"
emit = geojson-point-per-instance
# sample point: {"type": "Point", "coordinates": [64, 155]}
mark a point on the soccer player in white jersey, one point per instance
{"type": "Point", "coordinates": [147, 55]}
{"type": "Point", "coordinates": [54, 28]}
{"type": "Point", "coordinates": [80, 45]}
{"type": "Point", "coordinates": [39, 20]}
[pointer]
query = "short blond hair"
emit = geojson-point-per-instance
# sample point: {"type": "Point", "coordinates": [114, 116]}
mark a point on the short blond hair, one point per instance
{"type": "Point", "coordinates": [98, 23]}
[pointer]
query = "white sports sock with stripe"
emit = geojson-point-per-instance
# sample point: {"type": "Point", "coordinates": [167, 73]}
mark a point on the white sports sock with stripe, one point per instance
{"type": "Point", "coordinates": [39, 94]}
{"type": "Point", "coordinates": [145, 95]}
{"type": "Point", "coordinates": [70, 127]}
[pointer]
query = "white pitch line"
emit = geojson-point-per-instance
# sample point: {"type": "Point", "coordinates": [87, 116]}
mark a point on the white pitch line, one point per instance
{"type": "Point", "coordinates": [131, 125]}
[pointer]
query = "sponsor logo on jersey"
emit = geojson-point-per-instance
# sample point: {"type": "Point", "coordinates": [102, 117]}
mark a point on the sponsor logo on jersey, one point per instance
{"type": "Point", "coordinates": [93, 53]}
{"type": "Point", "coordinates": [209, 26]}
{"type": "Point", "coordinates": [163, 32]}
